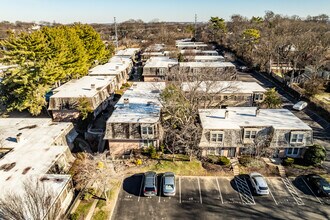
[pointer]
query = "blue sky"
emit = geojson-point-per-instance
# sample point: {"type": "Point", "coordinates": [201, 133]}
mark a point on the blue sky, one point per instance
{"type": "Point", "coordinates": [103, 11]}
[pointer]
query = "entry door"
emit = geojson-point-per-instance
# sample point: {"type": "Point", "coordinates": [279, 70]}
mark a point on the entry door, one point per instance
{"type": "Point", "coordinates": [231, 152]}
{"type": "Point", "coordinates": [222, 152]}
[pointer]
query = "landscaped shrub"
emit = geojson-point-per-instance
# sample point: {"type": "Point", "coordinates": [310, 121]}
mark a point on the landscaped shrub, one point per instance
{"type": "Point", "coordinates": [315, 155]}
{"type": "Point", "coordinates": [223, 160]}
{"type": "Point", "coordinates": [138, 162]}
{"type": "Point", "coordinates": [288, 161]}
{"type": "Point", "coordinates": [88, 194]}
{"type": "Point", "coordinates": [74, 216]}
{"type": "Point", "coordinates": [151, 152]}
{"type": "Point", "coordinates": [245, 160]}
{"type": "Point", "coordinates": [212, 159]}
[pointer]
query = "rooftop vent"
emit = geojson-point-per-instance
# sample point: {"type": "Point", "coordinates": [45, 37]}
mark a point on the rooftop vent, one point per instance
{"type": "Point", "coordinates": [257, 111]}
{"type": "Point", "coordinates": [92, 86]}
{"type": "Point", "coordinates": [126, 101]}
{"type": "Point", "coordinates": [226, 114]}
{"type": "Point", "coordinates": [18, 137]}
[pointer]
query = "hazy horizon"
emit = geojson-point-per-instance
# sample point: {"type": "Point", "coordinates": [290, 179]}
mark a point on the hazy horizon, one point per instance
{"type": "Point", "coordinates": [103, 11]}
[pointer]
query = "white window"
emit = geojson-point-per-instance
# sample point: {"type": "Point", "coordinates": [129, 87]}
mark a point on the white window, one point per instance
{"type": "Point", "coordinates": [258, 97]}
{"type": "Point", "coordinates": [161, 71]}
{"type": "Point", "coordinates": [216, 137]}
{"type": "Point", "coordinates": [250, 134]}
{"type": "Point", "coordinates": [211, 151]}
{"type": "Point", "coordinates": [292, 151]}
{"type": "Point", "coordinates": [195, 70]}
{"type": "Point", "coordinates": [297, 138]}
{"type": "Point", "coordinates": [148, 143]}
{"type": "Point", "coordinates": [147, 130]}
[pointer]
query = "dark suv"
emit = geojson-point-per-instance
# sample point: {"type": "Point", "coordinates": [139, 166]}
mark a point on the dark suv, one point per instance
{"type": "Point", "coordinates": [150, 184]}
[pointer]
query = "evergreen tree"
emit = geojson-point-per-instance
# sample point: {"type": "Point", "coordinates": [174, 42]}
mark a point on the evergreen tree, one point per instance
{"type": "Point", "coordinates": [44, 58]}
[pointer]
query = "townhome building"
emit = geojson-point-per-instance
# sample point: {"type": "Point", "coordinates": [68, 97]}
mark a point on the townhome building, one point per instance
{"type": "Point", "coordinates": [205, 58]}
{"type": "Point", "coordinates": [188, 45]}
{"type": "Point", "coordinates": [128, 53]}
{"type": "Point", "coordinates": [135, 122]}
{"type": "Point", "coordinates": [207, 70]}
{"type": "Point", "coordinates": [158, 68]}
{"type": "Point", "coordinates": [225, 93]}
{"type": "Point", "coordinates": [249, 130]}
{"type": "Point", "coordinates": [36, 151]}
{"type": "Point", "coordinates": [91, 91]}
{"type": "Point", "coordinates": [120, 67]}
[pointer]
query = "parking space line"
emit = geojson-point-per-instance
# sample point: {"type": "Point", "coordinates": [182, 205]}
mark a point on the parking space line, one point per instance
{"type": "Point", "coordinates": [271, 184]}
{"type": "Point", "coordinates": [200, 193]}
{"type": "Point", "coordinates": [141, 188]}
{"type": "Point", "coordinates": [219, 190]}
{"type": "Point", "coordinates": [312, 191]}
{"type": "Point", "coordinates": [272, 196]}
{"type": "Point", "coordinates": [180, 187]}
{"type": "Point", "coordinates": [292, 191]}
{"type": "Point", "coordinates": [160, 188]}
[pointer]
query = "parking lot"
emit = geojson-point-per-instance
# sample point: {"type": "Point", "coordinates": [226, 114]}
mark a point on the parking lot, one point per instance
{"type": "Point", "coordinates": [222, 197]}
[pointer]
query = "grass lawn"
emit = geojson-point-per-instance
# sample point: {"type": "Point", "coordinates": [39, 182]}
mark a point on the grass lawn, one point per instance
{"type": "Point", "coordinates": [323, 97]}
{"type": "Point", "coordinates": [103, 208]}
{"type": "Point", "coordinates": [183, 168]}
{"type": "Point", "coordinates": [83, 208]}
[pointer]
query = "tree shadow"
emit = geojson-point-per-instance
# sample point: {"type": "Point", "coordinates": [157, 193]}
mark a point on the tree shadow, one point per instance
{"type": "Point", "coordinates": [133, 184]}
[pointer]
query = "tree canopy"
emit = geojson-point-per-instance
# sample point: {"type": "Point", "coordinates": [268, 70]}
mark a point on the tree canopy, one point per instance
{"type": "Point", "coordinates": [44, 59]}
{"type": "Point", "coordinates": [273, 99]}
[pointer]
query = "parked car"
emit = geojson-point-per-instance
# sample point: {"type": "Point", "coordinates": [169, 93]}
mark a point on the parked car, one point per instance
{"type": "Point", "coordinates": [321, 186]}
{"type": "Point", "coordinates": [300, 105]}
{"type": "Point", "coordinates": [169, 184]}
{"type": "Point", "coordinates": [150, 184]}
{"type": "Point", "coordinates": [259, 184]}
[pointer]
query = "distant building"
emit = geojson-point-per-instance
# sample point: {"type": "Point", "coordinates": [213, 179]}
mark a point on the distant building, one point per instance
{"type": "Point", "coordinates": [128, 53]}
{"type": "Point", "coordinates": [205, 58]}
{"type": "Point", "coordinates": [37, 149]}
{"type": "Point", "coordinates": [227, 93]}
{"type": "Point", "coordinates": [158, 68]}
{"type": "Point", "coordinates": [244, 130]}
{"type": "Point", "coordinates": [135, 122]}
{"type": "Point", "coordinates": [119, 67]}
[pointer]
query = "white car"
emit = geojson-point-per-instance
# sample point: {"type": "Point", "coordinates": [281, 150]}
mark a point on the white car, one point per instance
{"type": "Point", "coordinates": [259, 184]}
{"type": "Point", "coordinates": [300, 105]}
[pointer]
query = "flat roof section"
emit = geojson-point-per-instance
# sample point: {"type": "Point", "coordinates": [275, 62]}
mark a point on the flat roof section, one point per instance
{"type": "Point", "coordinates": [206, 64]}
{"type": "Point", "coordinates": [111, 69]}
{"type": "Point", "coordinates": [127, 52]}
{"type": "Point", "coordinates": [82, 87]}
{"type": "Point", "coordinates": [33, 155]}
{"type": "Point", "coordinates": [246, 117]}
{"type": "Point", "coordinates": [155, 62]}
{"type": "Point", "coordinates": [223, 87]}
{"type": "Point", "coordinates": [143, 104]}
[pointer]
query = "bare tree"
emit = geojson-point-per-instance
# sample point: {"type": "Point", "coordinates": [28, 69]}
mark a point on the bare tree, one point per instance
{"type": "Point", "coordinates": [180, 121]}
{"type": "Point", "coordinates": [37, 202]}
{"type": "Point", "coordinates": [96, 170]}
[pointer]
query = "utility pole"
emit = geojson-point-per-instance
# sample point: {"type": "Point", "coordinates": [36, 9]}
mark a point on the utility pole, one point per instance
{"type": "Point", "coordinates": [195, 26]}
{"type": "Point", "coordinates": [116, 33]}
